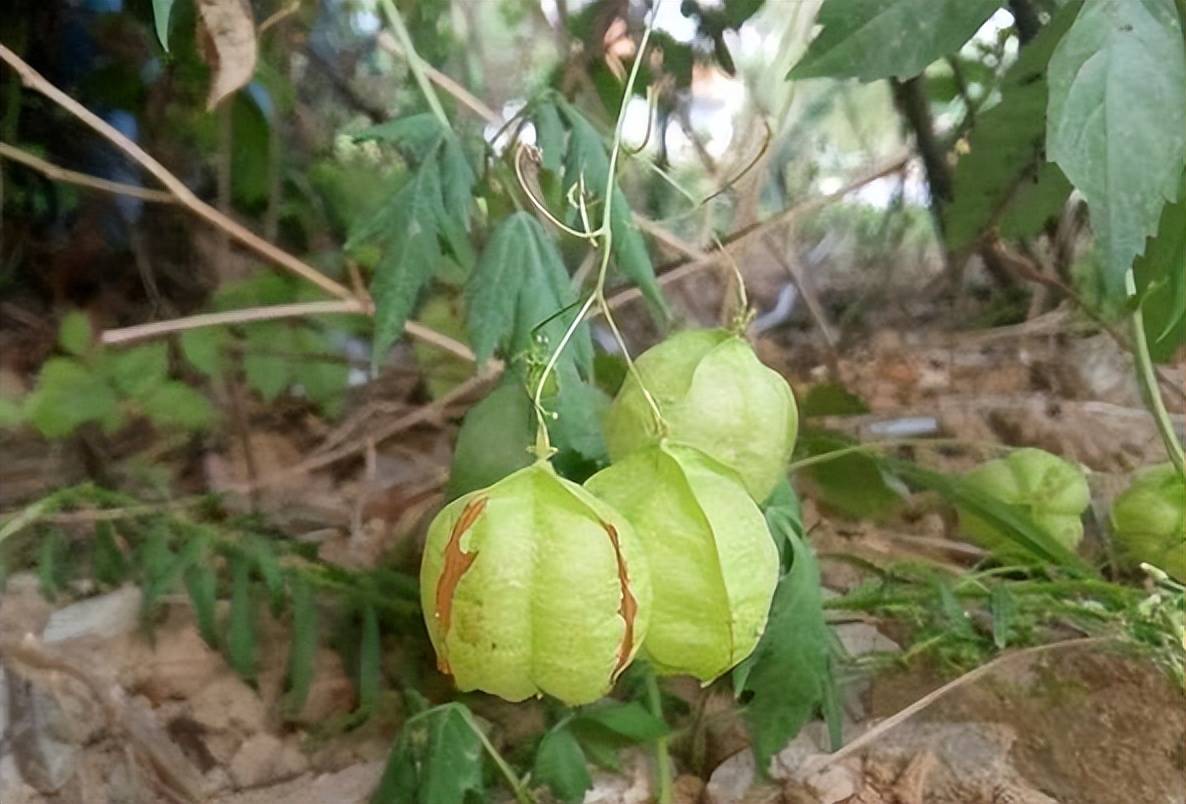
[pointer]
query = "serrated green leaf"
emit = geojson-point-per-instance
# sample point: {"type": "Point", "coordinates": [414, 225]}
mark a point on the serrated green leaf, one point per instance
{"type": "Point", "coordinates": [110, 564]}
{"type": "Point", "coordinates": [586, 156]}
{"type": "Point", "coordinates": [831, 399]}
{"type": "Point", "coordinates": [416, 134]}
{"type": "Point", "coordinates": [75, 334]}
{"type": "Point", "coordinates": [854, 484]}
{"type": "Point", "coordinates": [370, 667]}
{"type": "Point", "coordinates": [493, 439]}
{"type": "Point", "coordinates": [202, 585]}
{"type": "Point", "coordinates": [519, 284]}
{"type": "Point", "coordinates": [580, 408]}
{"type": "Point", "coordinates": [241, 636]}
{"type": "Point", "coordinates": [204, 347]}
{"type": "Point", "coordinates": [788, 677]}
{"type": "Point", "coordinates": [438, 760]}
{"type": "Point", "coordinates": [872, 39]}
{"type": "Point", "coordinates": [1003, 607]}
{"type": "Point", "coordinates": [138, 370]}
{"type": "Point", "coordinates": [161, 11]}
{"type": "Point", "coordinates": [68, 394]}
{"type": "Point", "coordinates": [411, 256]}
{"type": "Point", "coordinates": [1116, 122]}
{"type": "Point", "coordinates": [323, 380]}
{"type": "Point", "coordinates": [268, 373]}
{"type": "Point", "coordinates": [175, 404]}
{"type": "Point", "coordinates": [303, 647]}
{"type": "Point", "coordinates": [164, 569]}
{"type": "Point", "coordinates": [560, 765]}
{"type": "Point", "coordinates": [1006, 167]}
{"type": "Point", "coordinates": [1160, 276]}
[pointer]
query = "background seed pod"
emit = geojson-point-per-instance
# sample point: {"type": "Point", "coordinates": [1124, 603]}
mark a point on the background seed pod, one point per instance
{"type": "Point", "coordinates": [1149, 520]}
{"type": "Point", "coordinates": [713, 562]}
{"type": "Point", "coordinates": [1051, 491]}
{"type": "Point", "coordinates": [715, 395]}
{"type": "Point", "coordinates": [533, 585]}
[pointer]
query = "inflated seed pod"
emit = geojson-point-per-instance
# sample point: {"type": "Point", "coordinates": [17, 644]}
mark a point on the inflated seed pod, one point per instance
{"type": "Point", "coordinates": [533, 585]}
{"type": "Point", "coordinates": [1051, 491]}
{"type": "Point", "coordinates": [713, 562]}
{"type": "Point", "coordinates": [1149, 520]}
{"type": "Point", "coordinates": [715, 395]}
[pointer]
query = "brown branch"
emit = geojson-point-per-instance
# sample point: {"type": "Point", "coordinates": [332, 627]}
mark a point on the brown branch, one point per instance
{"type": "Point", "coordinates": [57, 173]}
{"type": "Point", "coordinates": [36, 82]}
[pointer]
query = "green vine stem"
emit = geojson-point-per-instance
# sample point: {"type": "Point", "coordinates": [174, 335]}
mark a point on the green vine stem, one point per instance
{"type": "Point", "coordinates": [513, 781]}
{"type": "Point", "coordinates": [415, 64]}
{"type": "Point", "coordinates": [662, 757]}
{"type": "Point", "coordinates": [1147, 377]}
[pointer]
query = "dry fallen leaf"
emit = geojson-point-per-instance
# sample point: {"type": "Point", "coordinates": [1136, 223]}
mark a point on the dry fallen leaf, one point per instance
{"type": "Point", "coordinates": [227, 35]}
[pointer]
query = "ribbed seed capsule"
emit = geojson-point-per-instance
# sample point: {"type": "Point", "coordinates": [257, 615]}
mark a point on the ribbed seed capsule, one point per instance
{"type": "Point", "coordinates": [1051, 491]}
{"type": "Point", "coordinates": [533, 585]}
{"type": "Point", "coordinates": [713, 562]}
{"type": "Point", "coordinates": [715, 395]}
{"type": "Point", "coordinates": [1149, 520]}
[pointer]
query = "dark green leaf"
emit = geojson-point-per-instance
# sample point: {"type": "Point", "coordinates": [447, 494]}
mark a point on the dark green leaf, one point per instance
{"type": "Point", "coordinates": [493, 440]}
{"type": "Point", "coordinates": [321, 377]}
{"type": "Point", "coordinates": [1006, 167]}
{"type": "Point", "coordinates": [784, 515]}
{"type": "Point", "coordinates": [110, 564]}
{"type": "Point", "coordinates": [202, 585]}
{"type": "Point", "coordinates": [854, 484]}
{"type": "Point", "coordinates": [438, 760]}
{"type": "Point", "coordinates": [1160, 276]}
{"type": "Point", "coordinates": [241, 634]}
{"type": "Point", "coordinates": [417, 134]}
{"type": "Point", "coordinates": [51, 563]}
{"type": "Point", "coordinates": [560, 765]}
{"type": "Point", "coordinates": [251, 156]}
{"type": "Point", "coordinates": [549, 137]}
{"type": "Point", "coordinates": [579, 407]}
{"type": "Point", "coordinates": [161, 9]}
{"type": "Point", "coordinates": [74, 333]}
{"type": "Point", "coordinates": [1003, 608]}
{"type": "Point", "coordinates": [138, 370]}
{"type": "Point", "coordinates": [303, 648]}
{"type": "Point", "coordinates": [370, 666]}
{"type": "Point", "coordinates": [203, 348]}
{"type": "Point", "coordinates": [871, 39]}
{"type": "Point", "coordinates": [1116, 122]}
{"type": "Point", "coordinates": [162, 576]}
{"type": "Point", "coordinates": [788, 677]}
{"type": "Point", "coordinates": [267, 372]}
{"type": "Point", "coordinates": [831, 399]}
{"type": "Point", "coordinates": [630, 721]}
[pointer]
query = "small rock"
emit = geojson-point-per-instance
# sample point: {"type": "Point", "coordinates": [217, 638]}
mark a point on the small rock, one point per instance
{"type": "Point", "coordinates": [256, 761]}
{"type": "Point", "coordinates": [687, 789]}
{"type": "Point", "coordinates": [354, 785]}
{"type": "Point", "coordinates": [102, 617]}
{"type": "Point", "coordinates": [731, 779]}
{"type": "Point", "coordinates": [228, 703]}
{"type": "Point", "coordinates": [631, 786]}
{"type": "Point", "coordinates": [861, 638]}
{"type": "Point", "coordinates": [835, 784]}
{"type": "Point", "coordinates": [22, 608]}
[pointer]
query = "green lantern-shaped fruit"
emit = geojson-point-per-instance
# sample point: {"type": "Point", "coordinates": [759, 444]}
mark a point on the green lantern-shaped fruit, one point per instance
{"type": "Point", "coordinates": [1047, 489]}
{"type": "Point", "coordinates": [533, 585]}
{"type": "Point", "coordinates": [715, 395]}
{"type": "Point", "coordinates": [713, 563]}
{"type": "Point", "coordinates": [1149, 520]}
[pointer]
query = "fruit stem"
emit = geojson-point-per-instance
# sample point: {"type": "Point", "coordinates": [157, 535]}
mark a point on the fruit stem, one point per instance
{"type": "Point", "coordinates": [662, 758]}
{"type": "Point", "coordinates": [1147, 377]}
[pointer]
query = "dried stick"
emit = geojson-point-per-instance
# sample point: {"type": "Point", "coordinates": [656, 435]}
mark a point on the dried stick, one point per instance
{"type": "Point", "coordinates": [62, 174]}
{"type": "Point", "coordinates": [36, 82]}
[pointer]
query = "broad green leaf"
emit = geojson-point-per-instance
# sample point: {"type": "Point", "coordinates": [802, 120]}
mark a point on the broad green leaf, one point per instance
{"type": "Point", "coordinates": [788, 677]}
{"type": "Point", "coordinates": [855, 483]}
{"type": "Point", "coordinates": [416, 134]}
{"type": "Point", "coordinates": [831, 399]}
{"type": "Point", "coordinates": [75, 334]}
{"type": "Point", "coordinates": [204, 347]}
{"type": "Point", "coordinates": [161, 10]}
{"type": "Point", "coordinates": [411, 256]}
{"type": "Point", "coordinates": [138, 370]}
{"type": "Point", "coordinates": [202, 585]}
{"type": "Point", "coordinates": [370, 664]}
{"type": "Point", "coordinates": [250, 158]}
{"type": "Point", "coordinates": [1160, 276]}
{"type": "Point", "coordinates": [302, 649]}
{"type": "Point", "coordinates": [580, 408]}
{"type": "Point", "coordinates": [586, 156]}
{"type": "Point", "coordinates": [438, 760]}
{"type": "Point", "coordinates": [871, 39]}
{"type": "Point", "coordinates": [267, 372]}
{"type": "Point", "coordinates": [519, 284]}
{"type": "Point", "coordinates": [560, 765]}
{"type": "Point", "coordinates": [549, 137]}
{"type": "Point", "coordinates": [322, 378]}
{"type": "Point", "coordinates": [1006, 167]}
{"type": "Point", "coordinates": [1116, 122]}
{"type": "Point", "coordinates": [632, 722]}
{"type": "Point", "coordinates": [241, 633]}
{"type": "Point", "coordinates": [68, 394]}
{"type": "Point", "coordinates": [175, 404]}
{"type": "Point", "coordinates": [493, 439]}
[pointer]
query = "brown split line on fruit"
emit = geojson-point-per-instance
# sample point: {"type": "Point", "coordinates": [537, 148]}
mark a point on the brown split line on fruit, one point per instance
{"type": "Point", "coordinates": [457, 563]}
{"type": "Point", "coordinates": [629, 606]}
